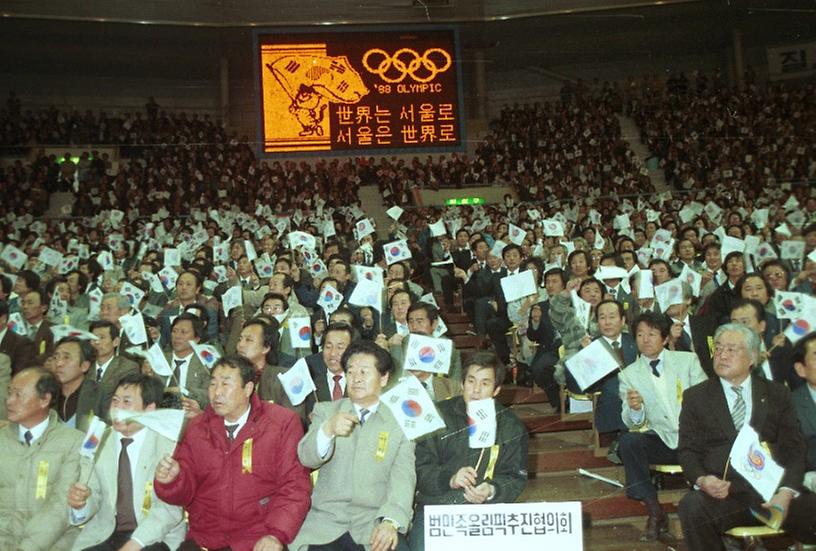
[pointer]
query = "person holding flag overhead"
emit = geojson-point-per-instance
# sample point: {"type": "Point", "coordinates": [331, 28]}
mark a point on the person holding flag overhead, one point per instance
{"type": "Point", "coordinates": [364, 490]}
{"type": "Point", "coordinates": [450, 469]}
{"type": "Point", "coordinates": [40, 462]}
{"type": "Point", "coordinates": [713, 414]}
{"type": "Point", "coordinates": [119, 508]}
{"type": "Point", "coordinates": [236, 469]}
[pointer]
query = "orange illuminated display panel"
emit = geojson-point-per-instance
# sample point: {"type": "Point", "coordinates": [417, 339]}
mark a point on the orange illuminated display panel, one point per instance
{"type": "Point", "coordinates": [359, 91]}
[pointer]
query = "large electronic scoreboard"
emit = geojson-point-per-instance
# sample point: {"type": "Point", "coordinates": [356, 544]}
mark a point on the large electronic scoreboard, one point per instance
{"type": "Point", "coordinates": [358, 90]}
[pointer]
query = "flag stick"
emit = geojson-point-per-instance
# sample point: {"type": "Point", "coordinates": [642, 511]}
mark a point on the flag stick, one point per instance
{"type": "Point", "coordinates": [479, 462]}
{"type": "Point", "coordinates": [725, 472]}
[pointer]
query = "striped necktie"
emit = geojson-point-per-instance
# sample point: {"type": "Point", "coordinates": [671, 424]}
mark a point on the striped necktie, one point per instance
{"type": "Point", "coordinates": [738, 412]}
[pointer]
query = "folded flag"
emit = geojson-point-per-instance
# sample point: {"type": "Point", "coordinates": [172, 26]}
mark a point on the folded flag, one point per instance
{"type": "Point", "coordinates": [93, 437]}
{"type": "Point", "coordinates": [166, 422]}
{"type": "Point", "coordinates": [62, 331]}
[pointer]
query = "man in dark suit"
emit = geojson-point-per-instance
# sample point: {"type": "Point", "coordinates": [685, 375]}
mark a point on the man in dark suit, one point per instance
{"type": "Point", "coordinates": [713, 413]}
{"type": "Point", "coordinates": [775, 365]}
{"type": "Point", "coordinates": [804, 401]}
{"type": "Point", "coordinates": [325, 367]}
{"type": "Point", "coordinates": [109, 367]}
{"type": "Point", "coordinates": [18, 348]}
{"type": "Point", "coordinates": [497, 321]}
{"type": "Point", "coordinates": [33, 308]}
{"type": "Point", "coordinates": [611, 321]}
{"type": "Point", "coordinates": [691, 333]}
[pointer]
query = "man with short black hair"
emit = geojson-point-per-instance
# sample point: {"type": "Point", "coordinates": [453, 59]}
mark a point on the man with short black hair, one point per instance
{"type": "Point", "coordinates": [365, 490]}
{"type": "Point", "coordinates": [236, 469]}
{"type": "Point", "coordinates": [78, 397]}
{"type": "Point", "coordinates": [40, 458]}
{"type": "Point", "coordinates": [118, 509]}
{"type": "Point", "coordinates": [449, 471]}
{"type": "Point", "coordinates": [33, 308]}
{"type": "Point", "coordinates": [190, 377]}
{"type": "Point", "coordinates": [325, 366]}
{"type": "Point", "coordinates": [258, 344]}
{"type": "Point", "coordinates": [109, 367]}
{"type": "Point", "coordinates": [423, 318]}
{"type": "Point", "coordinates": [651, 390]}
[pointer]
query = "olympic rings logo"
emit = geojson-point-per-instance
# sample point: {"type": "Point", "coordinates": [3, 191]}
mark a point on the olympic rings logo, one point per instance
{"type": "Point", "coordinates": [407, 62]}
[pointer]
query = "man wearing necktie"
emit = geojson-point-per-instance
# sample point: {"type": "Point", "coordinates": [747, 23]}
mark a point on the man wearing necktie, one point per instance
{"type": "Point", "coordinates": [651, 389]}
{"type": "Point", "coordinates": [713, 414]}
{"type": "Point", "coordinates": [118, 508]}
{"type": "Point", "coordinates": [40, 458]}
{"type": "Point", "coordinates": [325, 366]}
{"type": "Point", "coordinates": [236, 470]}
{"type": "Point", "coordinates": [365, 488]}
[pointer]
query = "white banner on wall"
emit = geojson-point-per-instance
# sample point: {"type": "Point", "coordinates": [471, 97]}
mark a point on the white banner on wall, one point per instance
{"type": "Point", "coordinates": [792, 61]}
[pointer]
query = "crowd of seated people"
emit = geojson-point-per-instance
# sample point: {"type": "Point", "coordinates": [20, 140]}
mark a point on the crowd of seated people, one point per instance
{"type": "Point", "coordinates": [558, 149]}
{"type": "Point", "coordinates": [108, 310]}
{"type": "Point", "coordinates": [706, 133]}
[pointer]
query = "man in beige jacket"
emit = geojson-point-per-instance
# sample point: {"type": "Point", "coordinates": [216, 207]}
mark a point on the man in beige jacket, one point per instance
{"type": "Point", "coordinates": [40, 458]}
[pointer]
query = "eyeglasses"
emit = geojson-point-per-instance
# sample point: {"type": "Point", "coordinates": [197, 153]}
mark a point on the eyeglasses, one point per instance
{"type": "Point", "coordinates": [720, 349]}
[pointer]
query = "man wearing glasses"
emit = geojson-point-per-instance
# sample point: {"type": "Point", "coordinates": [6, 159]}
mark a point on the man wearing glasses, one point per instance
{"type": "Point", "coordinates": [713, 414]}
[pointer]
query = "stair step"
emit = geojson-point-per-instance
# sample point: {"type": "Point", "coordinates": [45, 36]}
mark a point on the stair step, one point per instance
{"type": "Point", "coordinates": [454, 316]}
{"type": "Point", "coordinates": [466, 341]}
{"type": "Point", "coordinates": [512, 394]}
{"type": "Point", "coordinates": [553, 423]}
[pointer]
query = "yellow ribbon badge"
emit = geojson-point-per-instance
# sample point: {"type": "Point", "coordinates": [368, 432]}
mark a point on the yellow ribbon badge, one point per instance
{"type": "Point", "coordinates": [491, 463]}
{"type": "Point", "coordinates": [246, 457]}
{"type": "Point", "coordinates": [382, 446]}
{"type": "Point", "coordinates": [148, 497]}
{"type": "Point", "coordinates": [42, 480]}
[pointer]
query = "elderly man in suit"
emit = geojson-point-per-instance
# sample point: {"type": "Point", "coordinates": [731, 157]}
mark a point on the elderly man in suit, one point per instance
{"type": "Point", "coordinates": [804, 400]}
{"type": "Point", "coordinates": [119, 509]}
{"type": "Point", "coordinates": [40, 458]}
{"type": "Point", "coordinates": [712, 416]}
{"type": "Point", "coordinates": [236, 469]}
{"type": "Point", "coordinates": [651, 390]}
{"type": "Point", "coordinates": [109, 367]}
{"type": "Point", "coordinates": [364, 493]}
{"type": "Point", "coordinates": [326, 368]}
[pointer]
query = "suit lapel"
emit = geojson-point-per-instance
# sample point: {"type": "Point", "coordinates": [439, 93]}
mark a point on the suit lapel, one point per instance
{"type": "Point", "coordinates": [759, 397]}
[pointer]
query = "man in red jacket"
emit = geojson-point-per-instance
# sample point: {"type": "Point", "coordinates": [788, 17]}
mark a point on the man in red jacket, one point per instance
{"type": "Point", "coordinates": [236, 470]}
